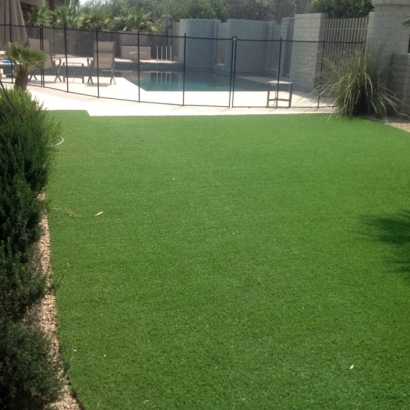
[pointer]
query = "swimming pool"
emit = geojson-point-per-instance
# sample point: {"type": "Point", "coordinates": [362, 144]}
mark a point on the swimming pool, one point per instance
{"type": "Point", "coordinates": [194, 81]}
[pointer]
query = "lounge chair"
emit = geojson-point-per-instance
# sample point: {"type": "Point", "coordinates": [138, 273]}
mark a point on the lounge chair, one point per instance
{"type": "Point", "coordinates": [104, 59]}
{"type": "Point", "coordinates": [51, 62]}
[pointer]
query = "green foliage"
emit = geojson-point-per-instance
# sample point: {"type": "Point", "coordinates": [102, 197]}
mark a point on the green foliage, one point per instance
{"type": "Point", "coordinates": [67, 16]}
{"type": "Point", "coordinates": [25, 60]}
{"type": "Point", "coordinates": [342, 8]}
{"type": "Point", "coordinates": [37, 16]}
{"type": "Point", "coordinates": [134, 19]}
{"type": "Point", "coordinates": [359, 87]}
{"type": "Point", "coordinates": [22, 285]}
{"type": "Point", "coordinates": [145, 15]}
{"type": "Point", "coordinates": [199, 9]}
{"type": "Point", "coordinates": [97, 19]}
{"type": "Point", "coordinates": [28, 370]}
{"type": "Point", "coordinates": [25, 162]}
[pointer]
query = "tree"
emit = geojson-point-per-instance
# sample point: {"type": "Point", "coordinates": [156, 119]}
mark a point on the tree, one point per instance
{"type": "Point", "coordinates": [199, 9]}
{"type": "Point", "coordinates": [38, 16]}
{"type": "Point", "coordinates": [97, 19]}
{"type": "Point", "coordinates": [266, 10]}
{"type": "Point", "coordinates": [342, 8]}
{"type": "Point", "coordinates": [67, 16]}
{"type": "Point", "coordinates": [133, 20]}
{"type": "Point", "coordinates": [26, 60]}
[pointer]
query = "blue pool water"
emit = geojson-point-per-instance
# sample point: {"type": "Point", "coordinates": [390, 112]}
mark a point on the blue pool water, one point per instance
{"type": "Point", "coordinates": [194, 81]}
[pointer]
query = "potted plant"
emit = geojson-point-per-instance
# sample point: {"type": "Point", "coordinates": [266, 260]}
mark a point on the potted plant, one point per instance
{"type": "Point", "coordinates": [25, 60]}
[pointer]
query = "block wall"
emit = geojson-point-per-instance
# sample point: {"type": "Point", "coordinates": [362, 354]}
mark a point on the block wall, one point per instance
{"type": "Point", "coordinates": [400, 80]}
{"type": "Point", "coordinates": [306, 47]}
{"type": "Point", "coordinates": [177, 51]}
{"type": "Point", "coordinates": [287, 28]}
{"type": "Point", "coordinates": [272, 48]}
{"type": "Point", "coordinates": [385, 32]}
{"type": "Point", "coordinates": [200, 51]}
{"type": "Point", "coordinates": [250, 55]}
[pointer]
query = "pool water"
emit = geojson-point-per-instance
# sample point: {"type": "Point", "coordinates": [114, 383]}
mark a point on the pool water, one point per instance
{"type": "Point", "coordinates": [194, 81]}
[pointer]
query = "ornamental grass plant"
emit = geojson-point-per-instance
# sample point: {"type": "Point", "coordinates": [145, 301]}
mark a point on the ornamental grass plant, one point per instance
{"type": "Point", "coordinates": [358, 86]}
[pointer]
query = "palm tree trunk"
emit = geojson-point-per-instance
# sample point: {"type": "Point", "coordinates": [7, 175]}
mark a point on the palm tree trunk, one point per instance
{"type": "Point", "coordinates": [21, 80]}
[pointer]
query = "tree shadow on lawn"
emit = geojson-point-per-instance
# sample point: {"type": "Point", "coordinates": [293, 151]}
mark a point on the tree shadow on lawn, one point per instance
{"type": "Point", "coordinates": [393, 230]}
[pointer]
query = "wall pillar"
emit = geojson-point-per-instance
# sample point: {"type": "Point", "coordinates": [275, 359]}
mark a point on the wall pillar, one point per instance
{"type": "Point", "coordinates": [385, 33]}
{"type": "Point", "coordinates": [306, 47]}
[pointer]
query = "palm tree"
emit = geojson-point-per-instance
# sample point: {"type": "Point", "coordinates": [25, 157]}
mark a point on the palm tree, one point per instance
{"type": "Point", "coordinates": [26, 60]}
{"type": "Point", "coordinates": [134, 20]}
{"type": "Point", "coordinates": [97, 19]}
{"type": "Point", "coordinates": [38, 16]}
{"type": "Point", "coordinates": [67, 16]}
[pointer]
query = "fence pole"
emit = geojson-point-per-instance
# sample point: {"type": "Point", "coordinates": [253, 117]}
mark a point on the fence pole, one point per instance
{"type": "Point", "coordinates": [138, 62]}
{"type": "Point", "coordinates": [278, 79]}
{"type": "Point", "coordinates": [321, 73]}
{"type": "Point", "coordinates": [42, 48]}
{"type": "Point", "coordinates": [183, 80]}
{"type": "Point", "coordinates": [66, 58]}
{"type": "Point", "coordinates": [98, 63]}
{"type": "Point", "coordinates": [235, 40]}
{"type": "Point", "coordinates": [231, 70]}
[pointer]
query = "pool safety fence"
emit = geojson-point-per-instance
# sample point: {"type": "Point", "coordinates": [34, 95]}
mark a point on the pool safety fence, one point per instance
{"type": "Point", "coordinates": [183, 70]}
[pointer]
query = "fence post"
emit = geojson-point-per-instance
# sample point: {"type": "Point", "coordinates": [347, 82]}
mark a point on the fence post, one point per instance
{"type": "Point", "coordinates": [138, 62]}
{"type": "Point", "coordinates": [321, 73]}
{"type": "Point", "coordinates": [183, 81]}
{"type": "Point", "coordinates": [42, 48]}
{"type": "Point", "coordinates": [98, 64]}
{"type": "Point", "coordinates": [235, 48]}
{"type": "Point", "coordinates": [278, 79]}
{"type": "Point", "coordinates": [66, 58]}
{"type": "Point", "coordinates": [231, 70]}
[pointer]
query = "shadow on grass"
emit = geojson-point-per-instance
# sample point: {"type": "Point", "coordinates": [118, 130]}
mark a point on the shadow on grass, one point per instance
{"type": "Point", "coordinates": [393, 230]}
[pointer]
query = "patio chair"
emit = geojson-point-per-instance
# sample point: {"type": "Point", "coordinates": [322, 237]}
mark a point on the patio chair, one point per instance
{"type": "Point", "coordinates": [51, 62]}
{"type": "Point", "coordinates": [104, 59]}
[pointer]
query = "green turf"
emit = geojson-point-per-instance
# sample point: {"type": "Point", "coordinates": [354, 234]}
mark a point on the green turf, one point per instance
{"type": "Point", "coordinates": [255, 262]}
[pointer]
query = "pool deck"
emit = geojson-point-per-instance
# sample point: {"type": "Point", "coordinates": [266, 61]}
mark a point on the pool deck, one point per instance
{"type": "Point", "coordinates": [83, 96]}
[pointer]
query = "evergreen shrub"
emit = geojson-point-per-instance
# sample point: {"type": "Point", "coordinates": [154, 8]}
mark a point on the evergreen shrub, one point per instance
{"type": "Point", "coordinates": [22, 284]}
{"type": "Point", "coordinates": [28, 368]}
{"type": "Point", "coordinates": [26, 133]}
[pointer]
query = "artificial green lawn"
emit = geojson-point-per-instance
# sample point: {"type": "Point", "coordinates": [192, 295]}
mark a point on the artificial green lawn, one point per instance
{"type": "Point", "coordinates": [255, 262]}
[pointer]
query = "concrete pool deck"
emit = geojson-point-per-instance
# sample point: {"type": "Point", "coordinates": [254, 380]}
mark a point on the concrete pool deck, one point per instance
{"type": "Point", "coordinates": [83, 96]}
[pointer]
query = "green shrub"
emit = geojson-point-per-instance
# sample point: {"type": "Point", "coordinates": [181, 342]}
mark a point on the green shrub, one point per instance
{"type": "Point", "coordinates": [358, 86]}
{"type": "Point", "coordinates": [26, 132]}
{"type": "Point", "coordinates": [22, 284]}
{"type": "Point", "coordinates": [28, 371]}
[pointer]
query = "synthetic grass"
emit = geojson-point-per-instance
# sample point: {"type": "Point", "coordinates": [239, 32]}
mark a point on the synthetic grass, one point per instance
{"type": "Point", "coordinates": [239, 262]}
